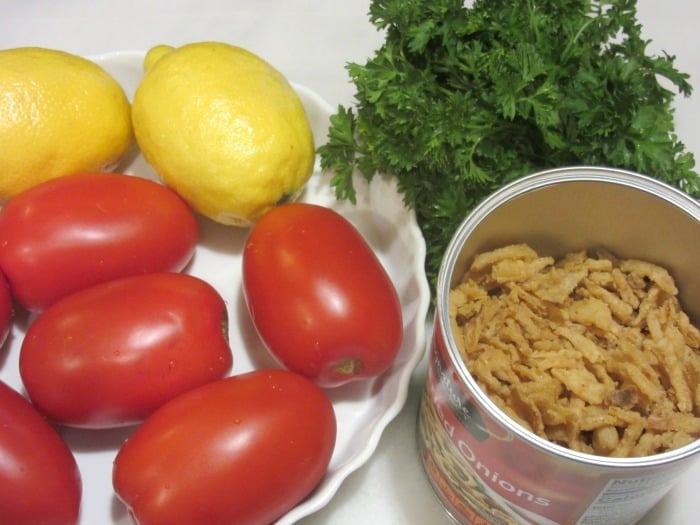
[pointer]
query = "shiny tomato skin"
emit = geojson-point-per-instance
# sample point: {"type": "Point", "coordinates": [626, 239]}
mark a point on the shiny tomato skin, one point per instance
{"type": "Point", "coordinates": [75, 231]}
{"type": "Point", "coordinates": [6, 309]}
{"type": "Point", "coordinates": [243, 450]}
{"type": "Point", "coordinates": [319, 297]}
{"type": "Point", "coordinates": [40, 482]}
{"type": "Point", "coordinates": [109, 355]}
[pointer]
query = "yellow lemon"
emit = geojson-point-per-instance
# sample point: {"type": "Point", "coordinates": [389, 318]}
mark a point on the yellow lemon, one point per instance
{"type": "Point", "coordinates": [59, 114]}
{"type": "Point", "coordinates": [223, 128]}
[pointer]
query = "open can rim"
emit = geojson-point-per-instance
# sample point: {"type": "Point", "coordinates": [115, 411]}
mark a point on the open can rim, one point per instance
{"type": "Point", "coordinates": [514, 189]}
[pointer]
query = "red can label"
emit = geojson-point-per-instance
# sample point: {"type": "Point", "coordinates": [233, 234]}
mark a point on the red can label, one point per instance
{"type": "Point", "coordinates": [486, 475]}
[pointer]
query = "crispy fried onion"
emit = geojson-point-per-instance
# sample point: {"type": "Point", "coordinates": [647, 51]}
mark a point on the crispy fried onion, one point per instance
{"type": "Point", "coordinates": [591, 352]}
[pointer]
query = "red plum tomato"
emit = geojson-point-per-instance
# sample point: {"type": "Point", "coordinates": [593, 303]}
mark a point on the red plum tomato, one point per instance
{"type": "Point", "coordinates": [6, 309]}
{"type": "Point", "coordinates": [75, 231]}
{"type": "Point", "coordinates": [319, 297]}
{"type": "Point", "coordinates": [109, 355]}
{"type": "Point", "coordinates": [243, 450]}
{"type": "Point", "coordinates": [39, 477]}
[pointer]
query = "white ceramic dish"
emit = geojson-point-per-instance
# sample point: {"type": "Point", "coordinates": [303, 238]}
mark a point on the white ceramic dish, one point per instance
{"type": "Point", "coordinates": [363, 409]}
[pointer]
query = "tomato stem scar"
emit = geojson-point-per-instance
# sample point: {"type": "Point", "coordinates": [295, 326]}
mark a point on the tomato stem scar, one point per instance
{"type": "Point", "coordinates": [349, 366]}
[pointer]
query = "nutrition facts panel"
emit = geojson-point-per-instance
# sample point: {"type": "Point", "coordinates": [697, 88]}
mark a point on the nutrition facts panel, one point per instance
{"type": "Point", "coordinates": [625, 501]}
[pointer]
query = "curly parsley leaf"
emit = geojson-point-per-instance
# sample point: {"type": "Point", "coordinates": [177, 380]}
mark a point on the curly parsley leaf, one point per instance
{"type": "Point", "coordinates": [460, 100]}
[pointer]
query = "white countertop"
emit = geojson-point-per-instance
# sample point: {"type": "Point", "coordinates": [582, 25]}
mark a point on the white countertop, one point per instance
{"type": "Point", "coordinates": [311, 42]}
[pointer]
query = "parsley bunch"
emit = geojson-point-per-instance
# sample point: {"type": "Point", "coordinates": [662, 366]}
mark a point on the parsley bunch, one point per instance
{"type": "Point", "coordinates": [460, 100]}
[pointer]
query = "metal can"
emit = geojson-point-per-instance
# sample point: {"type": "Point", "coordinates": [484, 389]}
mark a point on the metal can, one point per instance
{"type": "Point", "coordinates": [484, 467]}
